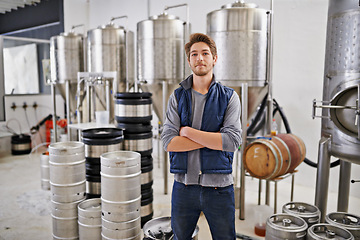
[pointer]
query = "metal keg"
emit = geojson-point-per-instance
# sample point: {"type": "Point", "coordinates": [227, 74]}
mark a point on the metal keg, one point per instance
{"type": "Point", "coordinates": [120, 195]}
{"type": "Point", "coordinates": [160, 228]}
{"type": "Point", "coordinates": [139, 142]}
{"type": "Point", "coordinates": [45, 171]}
{"type": "Point", "coordinates": [67, 171]}
{"type": "Point", "coordinates": [350, 222]}
{"type": "Point", "coordinates": [310, 213]}
{"type": "Point", "coordinates": [322, 231]}
{"type": "Point", "coordinates": [121, 230]}
{"type": "Point", "coordinates": [146, 176]}
{"type": "Point", "coordinates": [285, 226]}
{"type": "Point", "coordinates": [64, 219]}
{"type": "Point", "coordinates": [98, 141]}
{"type": "Point", "coordinates": [89, 219]}
{"type": "Point", "coordinates": [147, 210]}
{"type": "Point", "coordinates": [120, 211]}
{"type": "Point", "coordinates": [20, 144]}
{"type": "Point", "coordinates": [133, 107]}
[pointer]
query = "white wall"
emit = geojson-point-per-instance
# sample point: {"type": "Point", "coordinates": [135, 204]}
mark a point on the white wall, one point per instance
{"type": "Point", "coordinates": [298, 59]}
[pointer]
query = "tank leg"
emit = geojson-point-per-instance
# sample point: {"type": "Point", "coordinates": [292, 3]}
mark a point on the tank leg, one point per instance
{"type": "Point", "coordinates": [322, 177]}
{"type": "Point", "coordinates": [344, 186]}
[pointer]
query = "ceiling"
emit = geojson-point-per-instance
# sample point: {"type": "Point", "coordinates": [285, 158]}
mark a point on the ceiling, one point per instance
{"type": "Point", "coordinates": [11, 5]}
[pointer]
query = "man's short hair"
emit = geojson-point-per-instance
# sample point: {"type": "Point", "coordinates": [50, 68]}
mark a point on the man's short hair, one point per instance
{"type": "Point", "coordinates": [199, 37]}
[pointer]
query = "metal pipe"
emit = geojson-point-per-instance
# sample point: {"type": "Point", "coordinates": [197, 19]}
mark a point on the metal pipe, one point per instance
{"type": "Point", "coordinates": [53, 94]}
{"type": "Point", "coordinates": [259, 193]}
{"type": "Point", "coordinates": [244, 117]}
{"type": "Point", "coordinates": [107, 87]}
{"type": "Point", "coordinates": [68, 118]}
{"type": "Point", "coordinates": [344, 186]}
{"type": "Point", "coordinates": [187, 13]}
{"type": "Point", "coordinates": [165, 93]}
{"type": "Point", "coordinates": [322, 177]}
{"type": "Point", "coordinates": [267, 192]}
{"type": "Point", "coordinates": [88, 99]}
{"type": "Point", "coordinates": [358, 111]}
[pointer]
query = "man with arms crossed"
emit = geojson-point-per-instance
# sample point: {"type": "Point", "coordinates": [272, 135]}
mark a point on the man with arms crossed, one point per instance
{"type": "Point", "coordinates": [201, 133]}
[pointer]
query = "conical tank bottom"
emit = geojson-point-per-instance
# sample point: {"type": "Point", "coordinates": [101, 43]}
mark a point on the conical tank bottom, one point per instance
{"type": "Point", "coordinates": [255, 97]}
{"type": "Point", "coordinates": [72, 96]}
{"type": "Point", "coordinates": [157, 95]}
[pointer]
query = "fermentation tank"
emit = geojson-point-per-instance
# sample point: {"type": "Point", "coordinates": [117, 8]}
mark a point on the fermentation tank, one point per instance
{"type": "Point", "coordinates": [110, 48]}
{"type": "Point", "coordinates": [340, 126]}
{"type": "Point", "coordinates": [67, 59]}
{"type": "Point", "coordinates": [240, 31]}
{"type": "Point", "coordinates": [161, 56]}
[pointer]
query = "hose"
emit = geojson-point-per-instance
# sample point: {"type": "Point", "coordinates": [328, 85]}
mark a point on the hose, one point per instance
{"type": "Point", "coordinates": [259, 121]}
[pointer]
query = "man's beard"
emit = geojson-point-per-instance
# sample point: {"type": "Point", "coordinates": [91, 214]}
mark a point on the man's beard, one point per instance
{"type": "Point", "coordinates": [201, 72]}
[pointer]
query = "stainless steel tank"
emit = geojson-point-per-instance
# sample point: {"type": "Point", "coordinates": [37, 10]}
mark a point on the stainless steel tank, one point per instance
{"type": "Point", "coordinates": [240, 32]}
{"type": "Point", "coordinates": [160, 56]}
{"type": "Point", "coordinates": [66, 60]}
{"type": "Point", "coordinates": [110, 48]}
{"type": "Point", "coordinates": [340, 126]}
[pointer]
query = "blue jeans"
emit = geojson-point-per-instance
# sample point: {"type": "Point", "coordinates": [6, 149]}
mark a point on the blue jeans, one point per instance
{"type": "Point", "coordinates": [217, 204]}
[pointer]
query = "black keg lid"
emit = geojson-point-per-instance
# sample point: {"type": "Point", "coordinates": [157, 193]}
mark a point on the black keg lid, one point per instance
{"type": "Point", "coordinates": [102, 133]}
{"type": "Point", "coordinates": [22, 138]}
{"type": "Point", "coordinates": [133, 95]}
{"type": "Point", "coordinates": [137, 136]}
{"type": "Point", "coordinates": [134, 127]}
{"type": "Point", "coordinates": [102, 141]}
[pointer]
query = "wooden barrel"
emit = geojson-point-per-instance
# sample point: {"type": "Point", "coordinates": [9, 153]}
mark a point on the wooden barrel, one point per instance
{"type": "Point", "coordinates": [297, 149]}
{"type": "Point", "coordinates": [263, 158]}
{"type": "Point", "coordinates": [274, 156]}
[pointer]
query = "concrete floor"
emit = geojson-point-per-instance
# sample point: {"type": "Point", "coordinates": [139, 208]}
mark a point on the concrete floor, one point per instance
{"type": "Point", "coordinates": [25, 207]}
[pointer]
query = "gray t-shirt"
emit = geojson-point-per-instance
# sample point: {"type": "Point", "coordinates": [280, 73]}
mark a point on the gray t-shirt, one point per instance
{"type": "Point", "coordinates": [230, 133]}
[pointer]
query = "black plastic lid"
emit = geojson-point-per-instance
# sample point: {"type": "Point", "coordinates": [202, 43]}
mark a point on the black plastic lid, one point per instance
{"type": "Point", "coordinates": [137, 136]}
{"type": "Point", "coordinates": [133, 95]}
{"type": "Point", "coordinates": [102, 133]}
{"type": "Point", "coordinates": [22, 138]}
{"type": "Point", "coordinates": [135, 127]}
{"type": "Point", "coordinates": [102, 141]}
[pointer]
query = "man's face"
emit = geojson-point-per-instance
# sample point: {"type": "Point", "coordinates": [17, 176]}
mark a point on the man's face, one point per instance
{"type": "Point", "coordinates": [201, 60]}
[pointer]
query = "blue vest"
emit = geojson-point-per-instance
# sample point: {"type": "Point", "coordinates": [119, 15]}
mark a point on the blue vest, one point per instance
{"type": "Point", "coordinates": [212, 161]}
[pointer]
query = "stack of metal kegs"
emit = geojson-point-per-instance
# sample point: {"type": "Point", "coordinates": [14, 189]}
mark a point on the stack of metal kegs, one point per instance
{"type": "Point", "coordinates": [67, 183]}
{"type": "Point", "coordinates": [121, 195]}
{"type": "Point", "coordinates": [302, 221]}
{"type": "Point", "coordinates": [98, 141]}
{"type": "Point", "coordinates": [89, 219]}
{"type": "Point", "coordinates": [133, 114]}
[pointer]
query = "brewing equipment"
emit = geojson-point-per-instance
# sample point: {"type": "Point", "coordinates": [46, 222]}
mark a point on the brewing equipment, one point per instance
{"type": "Point", "coordinates": [66, 59]}
{"type": "Point", "coordinates": [243, 34]}
{"type": "Point", "coordinates": [340, 125]}
{"type": "Point", "coordinates": [310, 213]}
{"type": "Point", "coordinates": [89, 219]}
{"type": "Point", "coordinates": [327, 231]}
{"type": "Point", "coordinates": [161, 60]}
{"type": "Point", "coordinates": [110, 48]}
{"type": "Point", "coordinates": [120, 195]}
{"type": "Point", "coordinates": [285, 226]}
{"type": "Point", "coordinates": [348, 221]}
{"type": "Point", "coordinates": [67, 183]}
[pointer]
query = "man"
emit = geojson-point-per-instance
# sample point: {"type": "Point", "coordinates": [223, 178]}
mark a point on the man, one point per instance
{"type": "Point", "coordinates": [201, 132]}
